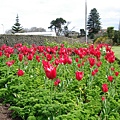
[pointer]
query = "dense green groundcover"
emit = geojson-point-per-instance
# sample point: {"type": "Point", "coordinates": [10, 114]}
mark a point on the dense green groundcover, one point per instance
{"type": "Point", "coordinates": [34, 93]}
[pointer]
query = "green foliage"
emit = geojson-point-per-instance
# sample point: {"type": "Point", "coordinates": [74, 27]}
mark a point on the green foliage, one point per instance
{"type": "Point", "coordinates": [91, 36]}
{"type": "Point", "coordinates": [100, 40]}
{"type": "Point", "coordinates": [34, 96]}
{"type": "Point", "coordinates": [82, 32]}
{"type": "Point", "coordinates": [93, 23]}
{"type": "Point", "coordinates": [17, 26]}
{"type": "Point", "coordinates": [116, 38]}
{"type": "Point", "coordinates": [57, 25]}
{"type": "Point", "coordinates": [110, 32]}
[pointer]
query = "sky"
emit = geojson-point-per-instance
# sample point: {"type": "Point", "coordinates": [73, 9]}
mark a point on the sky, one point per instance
{"type": "Point", "coordinates": [39, 13]}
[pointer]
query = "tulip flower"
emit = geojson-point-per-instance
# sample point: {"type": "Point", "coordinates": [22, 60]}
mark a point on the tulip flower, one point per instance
{"type": "Point", "coordinates": [30, 57]}
{"type": "Point", "coordinates": [116, 73]}
{"type": "Point", "coordinates": [79, 75]}
{"type": "Point", "coordinates": [93, 72]}
{"type": "Point", "coordinates": [56, 83]}
{"type": "Point", "coordinates": [91, 61]}
{"type": "Point", "coordinates": [49, 57]}
{"type": "Point", "coordinates": [38, 58]}
{"type": "Point", "coordinates": [103, 98]}
{"type": "Point", "coordinates": [99, 64]}
{"type": "Point", "coordinates": [20, 57]}
{"type": "Point", "coordinates": [104, 88]}
{"type": "Point", "coordinates": [10, 63]}
{"type": "Point", "coordinates": [0, 53]}
{"type": "Point", "coordinates": [77, 60]}
{"type": "Point", "coordinates": [112, 68]}
{"type": "Point", "coordinates": [110, 78]}
{"type": "Point", "coordinates": [56, 61]}
{"type": "Point", "coordinates": [50, 71]}
{"type": "Point", "coordinates": [69, 60]}
{"type": "Point", "coordinates": [20, 72]}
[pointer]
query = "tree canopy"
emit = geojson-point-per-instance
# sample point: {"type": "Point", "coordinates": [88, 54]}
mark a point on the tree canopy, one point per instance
{"type": "Point", "coordinates": [57, 25]}
{"type": "Point", "coordinates": [17, 26]}
{"type": "Point", "coordinates": [93, 24]}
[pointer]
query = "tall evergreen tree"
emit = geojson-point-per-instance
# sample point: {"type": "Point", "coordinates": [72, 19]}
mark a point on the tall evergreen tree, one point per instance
{"type": "Point", "coordinates": [17, 26]}
{"type": "Point", "coordinates": [93, 24]}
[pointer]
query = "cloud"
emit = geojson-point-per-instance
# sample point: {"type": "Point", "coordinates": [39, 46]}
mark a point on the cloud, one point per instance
{"type": "Point", "coordinates": [39, 13]}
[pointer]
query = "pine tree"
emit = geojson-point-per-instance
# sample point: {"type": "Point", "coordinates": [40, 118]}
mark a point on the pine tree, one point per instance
{"type": "Point", "coordinates": [17, 26]}
{"type": "Point", "coordinates": [93, 24]}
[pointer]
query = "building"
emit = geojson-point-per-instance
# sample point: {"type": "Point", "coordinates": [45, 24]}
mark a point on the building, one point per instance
{"type": "Point", "coordinates": [38, 33]}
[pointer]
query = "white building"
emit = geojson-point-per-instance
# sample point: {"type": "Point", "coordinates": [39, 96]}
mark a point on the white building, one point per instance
{"type": "Point", "coordinates": [38, 33]}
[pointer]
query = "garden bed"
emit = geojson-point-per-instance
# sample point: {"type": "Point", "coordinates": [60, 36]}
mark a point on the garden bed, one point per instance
{"type": "Point", "coordinates": [60, 82]}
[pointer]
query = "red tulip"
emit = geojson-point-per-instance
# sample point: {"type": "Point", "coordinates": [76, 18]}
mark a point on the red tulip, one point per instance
{"type": "Point", "coordinates": [79, 75]}
{"type": "Point", "coordinates": [78, 65]}
{"type": "Point", "coordinates": [76, 59]}
{"type": "Point", "coordinates": [62, 45]}
{"type": "Point", "coordinates": [7, 55]}
{"type": "Point", "coordinates": [49, 57]}
{"type": "Point", "coordinates": [10, 63]}
{"type": "Point", "coordinates": [56, 83]}
{"type": "Point", "coordinates": [99, 64]}
{"type": "Point", "coordinates": [30, 57]}
{"type": "Point", "coordinates": [104, 87]}
{"type": "Point", "coordinates": [50, 71]}
{"type": "Point", "coordinates": [103, 98]}
{"type": "Point", "coordinates": [20, 72]}
{"type": "Point", "coordinates": [110, 78]}
{"type": "Point", "coordinates": [40, 48]}
{"type": "Point", "coordinates": [112, 68]}
{"type": "Point", "coordinates": [38, 58]}
{"type": "Point", "coordinates": [69, 60]}
{"type": "Point", "coordinates": [91, 61]}
{"type": "Point", "coordinates": [116, 73]}
{"type": "Point", "coordinates": [20, 57]}
{"type": "Point", "coordinates": [93, 72]}
{"type": "Point", "coordinates": [48, 49]}
{"type": "Point", "coordinates": [56, 61]}
{"type": "Point", "coordinates": [97, 53]}
{"type": "Point", "coordinates": [110, 57]}
{"type": "Point", "coordinates": [0, 53]}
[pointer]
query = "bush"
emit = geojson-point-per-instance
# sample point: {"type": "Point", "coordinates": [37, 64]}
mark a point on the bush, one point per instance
{"type": "Point", "coordinates": [104, 40]}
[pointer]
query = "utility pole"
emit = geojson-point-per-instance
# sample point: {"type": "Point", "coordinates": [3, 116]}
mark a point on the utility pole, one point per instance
{"type": "Point", "coordinates": [3, 28]}
{"type": "Point", "coordinates": [86, 21]}
{"type": "Point", "coordinates": [119, 26]}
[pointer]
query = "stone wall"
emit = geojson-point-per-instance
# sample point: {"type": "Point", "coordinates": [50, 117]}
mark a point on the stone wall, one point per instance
{"type": "Point", "coordinates": [35, 39]}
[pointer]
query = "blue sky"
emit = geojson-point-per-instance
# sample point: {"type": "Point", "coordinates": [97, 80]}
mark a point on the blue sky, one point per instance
{"type": "Point", "coordinates": [39, 13]}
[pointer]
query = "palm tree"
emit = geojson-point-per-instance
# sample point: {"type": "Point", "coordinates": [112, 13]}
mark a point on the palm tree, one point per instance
{"type": "Point", "coordinates": [57, 25]}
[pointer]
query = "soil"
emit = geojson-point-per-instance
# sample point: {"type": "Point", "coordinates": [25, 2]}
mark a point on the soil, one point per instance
{"type": "Point", "coordinates": [5, 114]}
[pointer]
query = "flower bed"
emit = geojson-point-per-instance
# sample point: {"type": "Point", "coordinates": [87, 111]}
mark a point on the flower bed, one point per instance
{"type": "Point", "coordinates": [60, 82]}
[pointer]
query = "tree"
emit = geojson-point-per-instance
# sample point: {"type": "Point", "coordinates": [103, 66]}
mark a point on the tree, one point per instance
{"type": "Point", "coordinates": [17, 26]}
{"type": "Point", "coordinates": [110, 32]}
{"type": "Point", "coordinates": [32, 29]}
{"type": "Point", "coordinates": [93, 24]}
{"type": "Point", "coordinates": [35, 29]}
{"type": "Point", "coordinates": [57, 25]}
{"type": "Point", "coordinates": [66, 30]}
{"type": "Point", "coordinates": [82, 32]}
{"type": "Point", "coordinates": [116, 38]}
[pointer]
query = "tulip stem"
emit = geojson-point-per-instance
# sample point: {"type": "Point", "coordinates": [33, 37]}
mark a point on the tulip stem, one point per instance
{"type": "Point", "coordinates": [51, 91]}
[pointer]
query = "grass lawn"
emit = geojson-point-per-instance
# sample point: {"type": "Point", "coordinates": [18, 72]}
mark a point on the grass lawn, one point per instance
{"type": "Point", "coordinates": [116, 49]}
